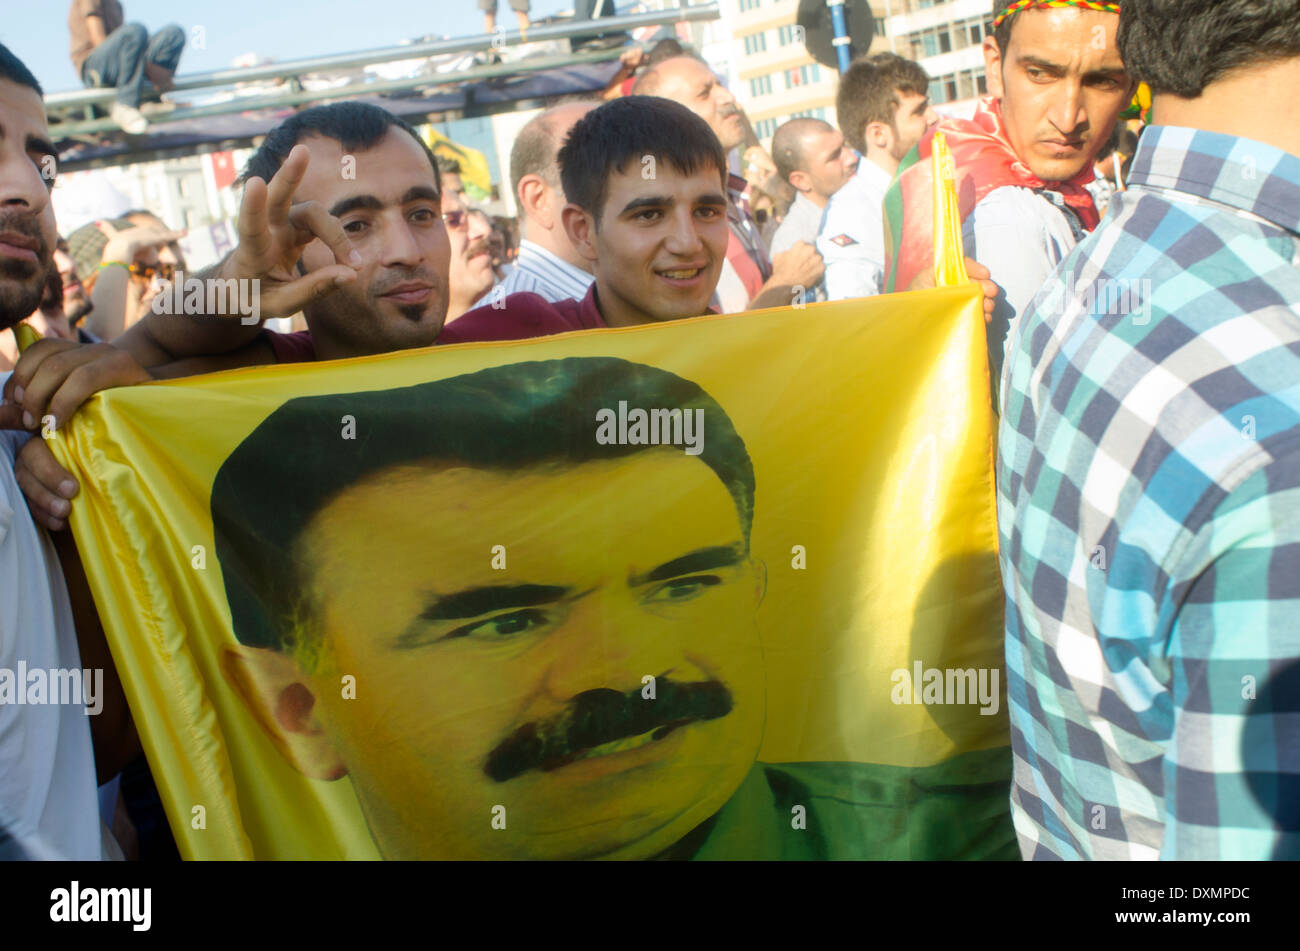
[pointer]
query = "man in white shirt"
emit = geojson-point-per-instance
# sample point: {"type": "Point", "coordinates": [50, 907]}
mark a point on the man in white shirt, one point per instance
{"type": "Point", "coordinates": [547, 263]}
{"type": "Point", "coordinates": [48, 806]}
{"type": "Point", "coordinates": [811, 155]}
{"type": "Point", "coordinates": [883, 106]}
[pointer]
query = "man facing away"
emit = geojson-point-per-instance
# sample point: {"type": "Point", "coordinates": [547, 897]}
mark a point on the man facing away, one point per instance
{"type": "Point", "coordinates": [811, 156]}
{"type": "Point", "coordinates": [548, 264]}
{"type": "Point", "coordinates": [883, 108]}
{"type": "Point", "coordinates": [1057, 86]}
{"type": "Point", "coordinates": [1149, 471]}
{"type": "Point", "coordinates": [108, 51]}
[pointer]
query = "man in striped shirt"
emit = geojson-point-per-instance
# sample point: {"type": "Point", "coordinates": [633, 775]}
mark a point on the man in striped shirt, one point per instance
{"type": "Point", "coordinates": [548, 264]}
{"type": "Point", "coordinates": [1149, 471]}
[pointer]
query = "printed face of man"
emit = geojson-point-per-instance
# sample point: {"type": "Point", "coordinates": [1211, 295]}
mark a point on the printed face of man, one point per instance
{"type": "Point", "coordinates": [1062, 85]}
{"type": "Point", "coordinates": [691, 83]}
{"type": "Point", "coordinates": [386, 200]}
{"type": "Point", "coordinates": [27, 231]}
{"type": "Point", "coordinates": [658, 248]}
{"type": "Point", "coordinates": [516, 677]}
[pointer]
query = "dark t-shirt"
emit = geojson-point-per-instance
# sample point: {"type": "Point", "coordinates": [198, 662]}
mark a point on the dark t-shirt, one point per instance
{"type": "Point", "coordinates": [110, 11]}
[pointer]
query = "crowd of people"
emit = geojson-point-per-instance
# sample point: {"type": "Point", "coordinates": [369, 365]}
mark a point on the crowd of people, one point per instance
{"type": "Point", "coordinates": [1148, 475]}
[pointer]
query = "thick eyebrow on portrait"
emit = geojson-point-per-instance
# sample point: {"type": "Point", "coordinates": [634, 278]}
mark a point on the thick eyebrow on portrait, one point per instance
{"type": "Point", "coordinates": [1031, 60]}
{"type": "Point", "coordinates": [474, 602]}
{"type": "Point", "coordinates": [920, 110]}
{"type": "Point", "coordinates": [702, 559]}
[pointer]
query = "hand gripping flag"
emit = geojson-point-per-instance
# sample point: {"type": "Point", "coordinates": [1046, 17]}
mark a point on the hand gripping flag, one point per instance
{"type": "Point", "coordinates": [715, 588]}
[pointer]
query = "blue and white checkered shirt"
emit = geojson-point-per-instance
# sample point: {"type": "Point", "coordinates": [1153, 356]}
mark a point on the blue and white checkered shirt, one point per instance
{"type": "Point", "coordinates": [538, 271]}
{"type": "Point", "coordinates": [1149, 518]}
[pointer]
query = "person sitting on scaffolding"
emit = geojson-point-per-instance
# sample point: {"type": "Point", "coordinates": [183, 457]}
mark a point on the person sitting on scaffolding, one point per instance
{"type": "Point", "coordinates": [108, 51]}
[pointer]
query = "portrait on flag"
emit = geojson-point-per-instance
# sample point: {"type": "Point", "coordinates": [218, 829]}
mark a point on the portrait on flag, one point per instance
{"type": "Point", "coordinates": [694, 590]}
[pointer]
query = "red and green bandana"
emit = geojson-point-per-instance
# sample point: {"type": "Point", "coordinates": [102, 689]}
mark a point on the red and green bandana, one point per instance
{"type": "Point", "coordinates": [1014, 8]}
{"type": "Point", "coordinates": [984, 161]}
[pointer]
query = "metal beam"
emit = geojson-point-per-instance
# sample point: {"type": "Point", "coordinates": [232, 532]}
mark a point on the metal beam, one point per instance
{"type": "Point", "coordinates": [342, 61]}
{"type": "Point", "coordinates": [64, 130]}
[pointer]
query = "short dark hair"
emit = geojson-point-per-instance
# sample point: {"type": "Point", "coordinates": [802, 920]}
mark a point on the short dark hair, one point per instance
{"type": "Point", "coordinates": [788, 144]}
{"type": "Point", "coordinates": [1002, 32]}
{"type": "Point", "coordinates": [505, 418]}
{"type": "Point", "coordinates": [869, 93]}
{"type": "Point", "coordinates": [447, 166]}
{"type": "Point", "coordinates": [666, 48]}
{"type": "Point", "coordinates": [1182, 46]}
{"type": "Point", "coordinates": [354, 125]}
{"type": "Point", "coordinates": [625, 130]}
{"type": "Point", "coordinates": [16, 71]}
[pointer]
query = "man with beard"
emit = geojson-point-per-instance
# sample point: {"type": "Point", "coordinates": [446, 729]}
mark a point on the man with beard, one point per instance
{"type": "Point", "coordinates": [47, 769]}
{"type": "Point", "coordinates": [750, 280]}
{"type": "Point", "coordinates": [1057, 86]}
{"type": "Point", "coordinates": [470, 274]}
{"type": "Point", "coordinates": [883, 107]}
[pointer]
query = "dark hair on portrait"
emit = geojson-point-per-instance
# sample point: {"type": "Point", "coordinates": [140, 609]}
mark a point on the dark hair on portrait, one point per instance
{"type": "Point", "coordinates": [869, 92]}
{"type": "Point", "coordinates": [356, 126]}
{"type": "Point", "coordinates": [16, 71]}
{"type": "Point", "coordinates": [1182, 46]}
{"type": "Point", "coordinates": [622, 131]}
{"type": "Point", "coordinates": [788, 144]}
{"type": "Point", "coordinates": [509, 418]}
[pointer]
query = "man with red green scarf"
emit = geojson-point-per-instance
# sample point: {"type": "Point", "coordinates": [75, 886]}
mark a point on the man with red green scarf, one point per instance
{"type": "Point", "coordinates": [1057, 86]}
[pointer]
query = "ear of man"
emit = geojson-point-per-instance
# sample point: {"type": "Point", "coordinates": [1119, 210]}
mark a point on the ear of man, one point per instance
{"type": "Point", "coordinates": [533, 199]}
{"type": "Point", "coordinates": [580, 226]}
{"type": "Point", "coordinates": [800, 181]}
{"type": "Point", "coordinates": [276, 693]}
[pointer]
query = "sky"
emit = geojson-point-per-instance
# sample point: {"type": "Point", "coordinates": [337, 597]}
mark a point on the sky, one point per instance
{"type": "Point", "coordinates": [280, 29]}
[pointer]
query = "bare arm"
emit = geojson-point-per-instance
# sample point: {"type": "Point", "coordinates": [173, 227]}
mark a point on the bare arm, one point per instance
{"type": "Point", "coordinates": [95, 27]}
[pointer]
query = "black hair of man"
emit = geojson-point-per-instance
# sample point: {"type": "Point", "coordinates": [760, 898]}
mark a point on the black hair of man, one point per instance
{"type": "Point", "coordinates": [510, 418]}
{"type": "Point", "coordinates": [788, 142]}
{"type": "Point", "coordinates": [356, 126]}
{"type": "Point", "coordinates": [628, 130]}
{"type": "Point", "coordinates": [447, 166]}
{"type": "Point", "coordinates": [16, 71]}
{"type": "Point", "coordinates": [1182, 46]}
{"type": "Point", "coordinates": [869, 92]}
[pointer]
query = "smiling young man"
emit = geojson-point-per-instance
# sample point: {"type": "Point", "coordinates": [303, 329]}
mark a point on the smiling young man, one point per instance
{"type": "Point", "coordinates": [645, 180]}
{"type": "Point", "coordinates": [1057, 86]}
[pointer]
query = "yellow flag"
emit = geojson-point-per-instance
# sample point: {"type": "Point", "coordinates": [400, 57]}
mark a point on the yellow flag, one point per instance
{"type": "Point", "coordinates": [714, 588]}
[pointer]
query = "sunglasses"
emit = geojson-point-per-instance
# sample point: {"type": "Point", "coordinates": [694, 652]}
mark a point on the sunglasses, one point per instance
{"type": "Point", "coordinates": [147, 271]}
{"type": "Point", "coordinates": [455, 219]}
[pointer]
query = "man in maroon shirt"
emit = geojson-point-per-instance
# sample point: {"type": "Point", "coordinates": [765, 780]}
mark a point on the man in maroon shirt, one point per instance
{"type": "Point", "coordinates": [646, 181]}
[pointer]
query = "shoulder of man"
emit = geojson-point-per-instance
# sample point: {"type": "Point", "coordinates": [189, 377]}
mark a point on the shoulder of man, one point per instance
{"type": "Point", "coordinates": [514, 317]}
{"type": "Point", "coordinates": [846, 218]}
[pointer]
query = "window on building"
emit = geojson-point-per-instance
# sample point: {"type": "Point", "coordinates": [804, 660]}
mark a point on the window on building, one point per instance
{"type": "Point", "coordinates": [945, 41]}
{"type": "Point", "coordinates": [760, 86]}
{"type": "Point", "coordinates": [747, 5]}
{"type": "Point", "coordinates": [787, 34]}
{"type": "Point", "coordinates": [965, 85]}
{"type": "Point", "coordinates": [756, 43]}
{"type": "Point", "coordinates": [982, 84]}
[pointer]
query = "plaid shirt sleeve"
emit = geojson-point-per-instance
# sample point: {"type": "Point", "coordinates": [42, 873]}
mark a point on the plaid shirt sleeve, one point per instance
{"type": "Point", "coordinates": [1232, 767]}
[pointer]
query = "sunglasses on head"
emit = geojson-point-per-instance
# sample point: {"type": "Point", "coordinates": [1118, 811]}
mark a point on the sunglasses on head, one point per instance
{"type": "Point", "coordinates": [147, 271]}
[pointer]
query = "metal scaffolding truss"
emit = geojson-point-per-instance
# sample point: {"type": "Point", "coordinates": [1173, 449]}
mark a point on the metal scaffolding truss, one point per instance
{"type": "Point", "coordinates": [443, 78]}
